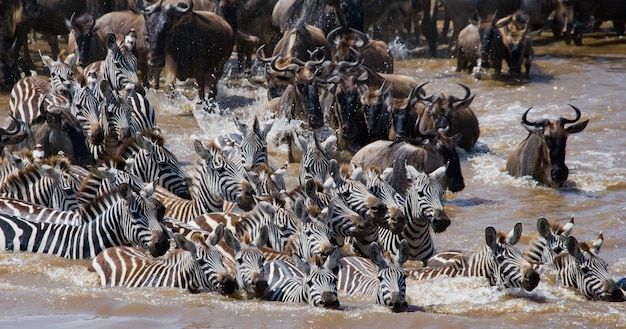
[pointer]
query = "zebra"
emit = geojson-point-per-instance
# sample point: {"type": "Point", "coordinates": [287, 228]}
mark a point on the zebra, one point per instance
{"type": "Point", "coordinates": [582, 269]}
{"type": "Point", "coordinates": [316, 159]}
{"type": "Point", "coordinates": [498, 260]}
{"type": "Point", "coordinates": [27, 94]}
{"type": "Point", "coordinates": [215, 180]}
{"type": "Point", "coordinates": [86, 109]}
{"type": "Point", "coordinates": [267, 180]}
{"type": "Point", "coordinates": [131, 219]}
{"type": "Point", "coordinates": [37, 213]}
{"type": "Point", "coordinates": [149, 159]}
{"type": "Point", "coordinates": [193, 266]}
{"type": "Point", "coordinates": [551, 241]}
{"type": "Point", "coordinates": [104, 177]}
{"type": "Point", "coordinates": [424, 207]}
{"type": "Point", "coordinates": [395, 219]}
{"type": "Point", "coordinates": [49, 184]}
{"type": "Point", "coordinates": [380, 276]}
{"type": "Point", "coordinates": [311, 282]}
{"type": "Point", "coordinates": [119, 67]}
{"type": "Point", "coordinates": [248, 260]}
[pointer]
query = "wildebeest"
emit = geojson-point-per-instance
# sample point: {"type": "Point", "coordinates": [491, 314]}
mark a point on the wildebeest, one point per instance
{"type": "Point", "coordinates": [354, 45]}
{"type": "Point", "coordinates": [600, 10]}
{"type": "Point", "coordinates": [542, 154]}
{"type": "Point", "coordinates": [512, 41]}
{"type": "Point", "coordinates": [188, 44]}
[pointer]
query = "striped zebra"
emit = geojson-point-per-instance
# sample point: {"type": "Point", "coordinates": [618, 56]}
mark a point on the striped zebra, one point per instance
{"type": "Point", "coordinates": [215, 180]}
{"type": "Point", "coordinates": [119, 67]}
{"type": "Point", "coordinates": [194, 265]}
{"type": "Point", "coordinates": [107, 176]}
{"type": "Point", "coordinates": [37, 213]}
{"type": "Point", "coordinates": [130, 220]}
{"type": "Point", "coordinates": [582, 269]}
{"type": "Point", "coordinates": [498, 260]}
{"type": "Point", "coordinates": [395, 219]}
{"type": "Point", "coordinates": [11, 163]}
{"type": "Point", "coordinates": [27, 94]}
{"type": "Point", "coordinates": [316, 159]}
{"type": "Point", "coordinates": [267, 180]}
{"type": "Point", "coordinates": [86, 109]}
{"type": "Point", "coordinates": [311, 282]}
{"type": "Point", "coordinates": [248, 260]}
{"type": "Point", "coordinates": [424, 207]}
{"type": "Point", "coordinates": [49, 184]}
{"type": "Point", "coordinates": [149, 159]}
{"type": "Point", "coordinates": [380, 276]}
{"type": "Point", "coordinates": [551, 241]}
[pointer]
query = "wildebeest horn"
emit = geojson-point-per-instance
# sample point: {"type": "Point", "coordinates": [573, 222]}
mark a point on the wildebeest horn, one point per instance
{"type": "Point", "coordinates": [151, 8]}
{"type": "Point", "coordinates": [453, 99]}
{"type": "Point", "coordinates": [290, 67]}
{"type": "Point", "coordinates": [415, 92]}
{"type": "Point", "coordinates": [264, 59]}
{"type": "Point", "coordinates": [540, 123]}
{"type": "Point", "coordinates": [184, 8]}
{"type": "Point", "coordinates": [566, 121]}
{"type": "Point", "coordinates": [429, 134]}
{"type": "Point", "coordinates": [313, 54]}
{"type": "Point", "coordinates": [363, 36]}
{"type": "Point", "coordinates": [331, 36]}
{"type": "Point", "coordinates": [300, 62]}
{"type": "Point", "coordinates": [18, 127]}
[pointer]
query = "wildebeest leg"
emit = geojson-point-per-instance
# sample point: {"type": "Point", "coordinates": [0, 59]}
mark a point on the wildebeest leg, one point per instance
{"type": "Point", "coordinates": [527, 65]}
{"type": "Point", "coordinates": [53, 42]}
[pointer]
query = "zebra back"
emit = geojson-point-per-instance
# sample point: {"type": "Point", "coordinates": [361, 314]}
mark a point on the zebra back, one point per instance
{"type": "Point", "coordinates": [582, 269]}
{"type": "Point", "coordinates": [311, 281]}
{"type": "Point", "coordinates": [26, 97]}
{"type": "Point", "coordinates": [37, 213]}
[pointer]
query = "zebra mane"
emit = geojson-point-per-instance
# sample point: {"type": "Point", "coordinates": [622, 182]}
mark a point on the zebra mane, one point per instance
{"type": "Point", "coordinates": [247, 238]}
{"type": "Point", "coordinates": [502, 238]}
{"type": "Point", "coordinates": [113, 162]}
{"type": "Point", "coordinates": [58, 161]}
{"type": "Point", "coordinates": [313, 211]}
{"type": "Point", "coordinates": [92, 206]}
{"type": "Point", "coordinates": [129, 146]}
{"type": "Point", "coordinates": [345, 170]}
{"type": "Point", "coordinates": [16, 179]}
{"type": "Point", "coordinates": [155, 135]}
{"type": "Point", "coordinates": [263, 168]}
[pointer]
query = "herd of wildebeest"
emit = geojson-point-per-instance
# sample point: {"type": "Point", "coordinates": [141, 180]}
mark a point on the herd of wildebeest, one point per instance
{"type": "Point", "coordinates": [86, 173]}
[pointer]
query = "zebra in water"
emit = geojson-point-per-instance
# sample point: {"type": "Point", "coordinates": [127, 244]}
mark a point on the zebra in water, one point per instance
{"type": "Point", "coordinates": [106, 176]}
{"type": "Point", "coordinates": [551, 241]}
{"type": "Point", "coordinates": [248, 261]}
{"type": "Point", "coordinates": [215, 180]}
{"type": "Point", "coordinates": [498, 260]}
{"type": "Point", "coordinates": [311, 282]}
{"type": "Point", "coordinates": [424, 208]}
{"type": "Point", "coordinates": [194, 265]}
{"type": "Point", "coordinates": [37, 213]}
{"type": "Point", "coordinates": [129, 219]}
{"type": "Point", "coordinates": [149, 159]}
{"type": "Point", "coordinates": [380, 276]}
{"type": "Point", "coordinates": [49, 183]}
{"type": "Point", "coordinates": [582, 269]}
{"type": "Point", "coordinates": [118, 69]}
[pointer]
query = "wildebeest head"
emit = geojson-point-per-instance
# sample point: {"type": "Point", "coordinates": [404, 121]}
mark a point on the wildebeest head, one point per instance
{"type": "Point", "coordinates": [159, 20]}
{"type": "Point", "coordinates": [83, 28]}
{"type": "Point", "coordinates": [555, 134]}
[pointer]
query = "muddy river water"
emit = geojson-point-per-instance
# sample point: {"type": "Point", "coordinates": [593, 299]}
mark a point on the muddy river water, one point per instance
{"type": "Point", "coordinates": [43, 291]}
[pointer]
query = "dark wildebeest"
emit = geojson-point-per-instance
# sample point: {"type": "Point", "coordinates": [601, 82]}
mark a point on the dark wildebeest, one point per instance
{"type": "Point", "coordinates": [511, 41]}
{"type": "Point", "coordinates": [188, 44]}
{"type": "Point", "coordinates": [298, 42]}
{"type": "Point", "coordinates": [601, 10]}
{"type": "Point", "coordinates": [428, 156]}
{"type": "Point", "coordinates": [353, 45]}
{"type": "Point", "coordinates": [542, 154]}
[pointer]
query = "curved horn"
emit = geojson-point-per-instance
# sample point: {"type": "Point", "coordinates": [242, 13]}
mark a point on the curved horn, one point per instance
{"type": "Point", "coordinates": [453, 99]}
{"type": "Point", "coordinates": [526, 122]}
{"type": "Point", "coordinates": [331, 36]}
{"type": "Point", "coordinates": [288, 68]}
{"type": "Point", "coordinates": [318, 50]}
{"type": "Point", "coordinates": [151, 8]}
{"type": "Point", "coordinates": [264, 59]}
{"type": "Point", "coordinates": [566, 121]}
{"type": "Point", "coordinates": [363, 36]}
{"type": "Point", "coordinates": [18, 127]}
{"type": "Point", "coordinates": [415, 92]}
{"type": "Point", "coordinates": [429, 134]}
{"type": "Point", "coordinates": [186, 8]}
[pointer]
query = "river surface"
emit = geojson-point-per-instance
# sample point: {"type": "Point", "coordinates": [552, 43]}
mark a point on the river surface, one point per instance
{"type": "Point", "coordinates": [44, 291]}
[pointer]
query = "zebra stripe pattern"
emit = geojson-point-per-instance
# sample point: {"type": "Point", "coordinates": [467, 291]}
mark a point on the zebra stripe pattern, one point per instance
{"type": "Point", "coordinates": [316, 159]}
{"type": "Point", "coordinates": [37, 213]}
{"type": "Point", "coordinates": [194, 265]}
{"type": "Point", "coordinates": [498, 260]}
{"type": "Point", "coordinates": [581, 269]}
{"type": "Point", "coordinates": [248, 260]}
{"type": "Point", "coordinates": [131, 220]}
{"type": "Point", "coordinates": [379, 276]}
{"type": "Point", "coordinates": [306, 282]}
{"type": "Point", "coordinates": [87, 111]}
{"type": "Point", "coordinates": [119, 67]}
{"type": "Point", "coordinates": [551, 241]}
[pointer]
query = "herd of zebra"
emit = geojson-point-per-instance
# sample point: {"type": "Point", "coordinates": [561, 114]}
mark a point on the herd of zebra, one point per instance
{"type": "Point", "coordinates": [232, 226]}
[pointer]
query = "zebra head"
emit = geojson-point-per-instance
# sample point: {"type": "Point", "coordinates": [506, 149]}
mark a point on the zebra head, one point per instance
{"type": "Point", "coordinates": [580, 268]}
{"type": "Point", "coordinates": [120, 66]}
{"type": "Point", "coordinates": [391, 276]}
{"type": "Point", "coordinates": [316, 159]}
{"type": "Point", "coordinates": [507, 264]}
{"type": "Point", "coordinates": [65, 195]}
{"type": "Point", "coordinates": [552, 241]}
{"type": "Point", "coordinates": [395, 219]}
{"type": "Point", "coordinates": [118, 111]}
{"type": "Point", "coordinates": [254, 143]}
{"type": "Point", "coordinates": [144, 216]}
{"type": "Point", "coordinates": [312, 236]}
{"type": "Point", "coordinates": [61, 76]}
{"type": "Point", "coordinates": [249, 261]}
{"type": "Point", "coordinates": [320, 281]}
{"type": "Point", "coordinates": [89, 115]}
{"type": "Point", "coordinates": [425, 203]}
{"type": "Point", "coordinates": [209, 260]}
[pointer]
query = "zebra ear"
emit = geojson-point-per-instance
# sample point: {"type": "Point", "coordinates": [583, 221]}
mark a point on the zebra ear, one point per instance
{"type": "Point", "coordinates": [70, 60]}
{"type": "Point", "coordinates": [201, 150]}
{"type": "Point", "coordinates": [267, 208]}
{"type": "Point", "coordinates": [111, 42]}
{"type": "Point", "coordinates": [439, 174]}
{"type": "Point", "coordinates": [376, 255]}
{"type": "Point", "coordinates": [299, 209]}
{"type": "Point", "coordinates": [515, 234]}
{"type": "Point", "coordinates": [47, 60]}
{"type": "Point", "coordinates": [567, 228]}
{"type": "Point", "coordinates": [332, 261]}
{"type": "Point", "coordinates": [572, 246]}
{"type": "Point", "coordinates": [301, 264]}
{"type": "Point", "coordinates": [491, 236]}
{"type": "Point", "coordinates": [261, 239]}
{"type": "Point", "coordinates": [310, 188]}
{"type": "Point", "coordinates": [183, 243]}
{"type": "Point", "coordinates": [403, 252]}
{"type": "Point", "coordinates": [217, 235]}
{"type": "Point", "coordinates": [543, 227]}
{"type": "Point", "coordinates": [268, 126]}
{"type": "Point", "coordinates": [597, 244]}
{"type": "Point", "coordinates": [231, 241]}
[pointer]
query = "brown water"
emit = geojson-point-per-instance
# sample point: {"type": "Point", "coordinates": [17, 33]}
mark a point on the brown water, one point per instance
{"type": "Point", "coordinates": [38, 291]}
